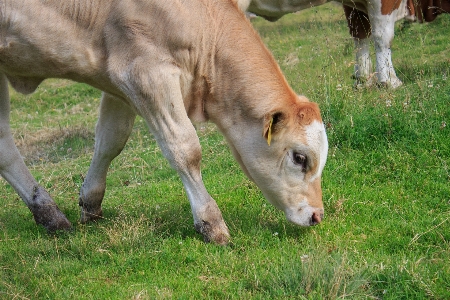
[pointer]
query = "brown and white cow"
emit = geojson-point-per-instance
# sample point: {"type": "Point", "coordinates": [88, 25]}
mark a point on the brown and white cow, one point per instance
{"type": "Point", "coordinates": [174, 63]}
{"type": "Point", "coordinates": [365, 18]}
{"type": "Point", "coordinates": [428, 10]}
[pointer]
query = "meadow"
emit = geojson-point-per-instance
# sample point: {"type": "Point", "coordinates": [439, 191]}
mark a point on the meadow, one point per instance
{"type": "Point", "coordinates": [386, 189]}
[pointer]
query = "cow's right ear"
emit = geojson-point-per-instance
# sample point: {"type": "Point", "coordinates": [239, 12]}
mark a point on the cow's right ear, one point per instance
{"type": "Point", "coordinates": [273, 123]}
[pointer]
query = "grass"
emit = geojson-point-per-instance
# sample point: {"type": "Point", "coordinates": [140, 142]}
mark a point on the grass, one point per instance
{"type": "Point", "coordinates": [386, 189]}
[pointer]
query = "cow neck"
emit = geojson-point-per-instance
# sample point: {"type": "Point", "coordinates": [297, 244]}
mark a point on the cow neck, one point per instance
{"type": "Point", "coordinates": [244, 76]}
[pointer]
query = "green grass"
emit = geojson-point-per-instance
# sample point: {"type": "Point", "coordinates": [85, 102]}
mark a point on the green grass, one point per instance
{"type": "Point", "coordinates": [386, 189]}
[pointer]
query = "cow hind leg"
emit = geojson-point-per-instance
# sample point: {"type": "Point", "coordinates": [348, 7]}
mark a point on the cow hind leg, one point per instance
{"type": "Point", "coordinates": [14, 171]}
{"type": "Point", "coordinates": [359, 27]}
{"type": "Point", "coordinates": [383, 34]}
{"type": "Point", "coordinates": [113, 129]}
{"type": "Point", "coordinates": [364, 74]}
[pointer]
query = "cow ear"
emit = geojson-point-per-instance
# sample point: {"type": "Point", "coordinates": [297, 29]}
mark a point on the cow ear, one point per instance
{"type": "Point", "coordinates": [273, 122]}
{"type": "Point", "coordinates": [307, 113]}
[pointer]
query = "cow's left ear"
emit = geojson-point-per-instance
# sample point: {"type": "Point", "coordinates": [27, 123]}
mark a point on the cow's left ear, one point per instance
{"type": "Point", "coordinates": [273, 123]}
{"type": "Point", "coordinates": [307, 113]}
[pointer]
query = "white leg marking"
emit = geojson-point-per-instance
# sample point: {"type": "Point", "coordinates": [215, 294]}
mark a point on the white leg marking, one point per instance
{"type": "Point", "coordinates": [383, 34]}
{"type": "Point", "coordinates": [363, 65]}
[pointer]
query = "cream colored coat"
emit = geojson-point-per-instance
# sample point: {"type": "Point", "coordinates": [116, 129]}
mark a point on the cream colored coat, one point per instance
{"type": "Point", "coordinates": [173, 63]}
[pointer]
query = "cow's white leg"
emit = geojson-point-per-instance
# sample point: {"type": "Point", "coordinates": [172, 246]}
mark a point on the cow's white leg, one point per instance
{"type": "Point", "coordinates": [13, 169]}
{"type": "Point", "coordinates": [113, 128]}
{"type": "Point", "coordinates": [166, 116]}
{"type": "Point", "coordinates": [363, 65]}
{"type": "Point", "coordinates": [383, 34]}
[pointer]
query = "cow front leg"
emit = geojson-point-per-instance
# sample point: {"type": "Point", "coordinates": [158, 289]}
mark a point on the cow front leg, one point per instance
{"type": "Point", "coordinates": [383, 34]}
{"type": "Point", "coordinates": [13, 169]}
{"type": "Point", "coordinates": [113, 128]}
{"type": "Point", "coordinates": [167, 119]}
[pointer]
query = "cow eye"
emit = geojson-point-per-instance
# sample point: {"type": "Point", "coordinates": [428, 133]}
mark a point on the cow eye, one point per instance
{"type": "Point", "coordinates": [300, 160]}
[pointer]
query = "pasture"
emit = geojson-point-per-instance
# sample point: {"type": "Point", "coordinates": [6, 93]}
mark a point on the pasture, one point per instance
{"type": "Point", "coordinates": [386, 188]}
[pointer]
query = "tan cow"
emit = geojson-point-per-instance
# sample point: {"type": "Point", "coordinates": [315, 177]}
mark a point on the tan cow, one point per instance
{"type": "Point", "coordinates": [173, 63]}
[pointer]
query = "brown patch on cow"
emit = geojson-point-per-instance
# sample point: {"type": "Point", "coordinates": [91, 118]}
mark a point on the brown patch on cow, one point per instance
{"type": "Point", "coordinates": [428, 10]}
{"type": "Point", "coordinates": [411, 8]}
{"type": "Point", "coordinates": [388, 6]}
{"type": "Point", "coordinates": [358, 22]}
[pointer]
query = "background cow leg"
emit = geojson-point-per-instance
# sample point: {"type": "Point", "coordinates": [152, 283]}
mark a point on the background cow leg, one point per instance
{"type": "Point", "coordinates": [13, 169]}
{"type": "Point", "coordinates": [113, 128]}
{"type": "Point", "coordinates": [167, 119]}
{"type": "Point", "coordinates": [383, 34]}
{"type": "Point", "coordinates": [359, 27]}
{"type": "Point", "coordinates": [363, 65]}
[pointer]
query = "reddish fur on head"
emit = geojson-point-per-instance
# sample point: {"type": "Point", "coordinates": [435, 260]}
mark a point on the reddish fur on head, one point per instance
{"type": "Point", "coordinates": [307, 113]}
{"type": "Point", "coordinates": [302, 113]}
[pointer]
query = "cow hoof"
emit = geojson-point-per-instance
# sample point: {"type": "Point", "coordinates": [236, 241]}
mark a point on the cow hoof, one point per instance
{"type": "Point", "coordinates": [213, 234]}
{"type": "Point", "coordinates": [50, 217]}
{"type": "Point", "coordinates": [382, 85]}
{"type": "Point", "coordinates": [365, 82]}
{"type": "Point", "coordinates": [393, 84]}
{"type": "Point", "coordinates": [90, 215]}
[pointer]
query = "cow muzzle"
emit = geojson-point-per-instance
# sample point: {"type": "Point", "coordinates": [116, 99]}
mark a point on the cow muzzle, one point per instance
{"type": "Point", "coordinates": [305, 216]}
{"type": "Point", "coordinates": [316, 217]}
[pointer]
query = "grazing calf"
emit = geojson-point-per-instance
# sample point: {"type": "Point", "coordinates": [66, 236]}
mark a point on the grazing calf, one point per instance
{"type": "Point", "coordinates": [173, 63]}
{"type": "Point", "coordinates": [365, 18]}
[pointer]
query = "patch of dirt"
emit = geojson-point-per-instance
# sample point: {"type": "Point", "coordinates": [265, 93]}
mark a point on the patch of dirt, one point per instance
{"type": "Point", "coordinates": [52, 146]}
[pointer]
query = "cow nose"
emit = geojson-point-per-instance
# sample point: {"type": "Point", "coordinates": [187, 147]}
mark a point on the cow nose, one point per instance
{"type": "Point", "coordinates": [316, 218]}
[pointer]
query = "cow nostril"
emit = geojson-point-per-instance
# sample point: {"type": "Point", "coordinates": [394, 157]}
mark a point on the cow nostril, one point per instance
{"type": "Point", "coordinates": [316, 218]}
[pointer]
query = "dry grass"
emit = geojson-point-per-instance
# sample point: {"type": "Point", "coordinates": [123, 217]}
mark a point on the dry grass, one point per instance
{"type": "Point", "coordinates": [43, 145]}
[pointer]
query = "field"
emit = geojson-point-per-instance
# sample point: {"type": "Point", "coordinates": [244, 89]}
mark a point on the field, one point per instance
{"type": "Point", "coordinates": [386, 189]}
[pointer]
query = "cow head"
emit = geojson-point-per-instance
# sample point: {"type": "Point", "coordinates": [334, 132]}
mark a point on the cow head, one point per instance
{"type": "Point", "coordinates": [286, 162]}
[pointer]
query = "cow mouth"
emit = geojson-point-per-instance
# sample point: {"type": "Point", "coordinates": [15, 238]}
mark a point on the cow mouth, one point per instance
{"type": "Point", "coordinates": [316, 218]}
{"type": "Point", "coordinates": [306, 216]}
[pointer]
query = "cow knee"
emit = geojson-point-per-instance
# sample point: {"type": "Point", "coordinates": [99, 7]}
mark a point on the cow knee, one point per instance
{"type": "Point", "coordinates": [8, 151]}
{"type": "Point", "coordinates": [189, 156]}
